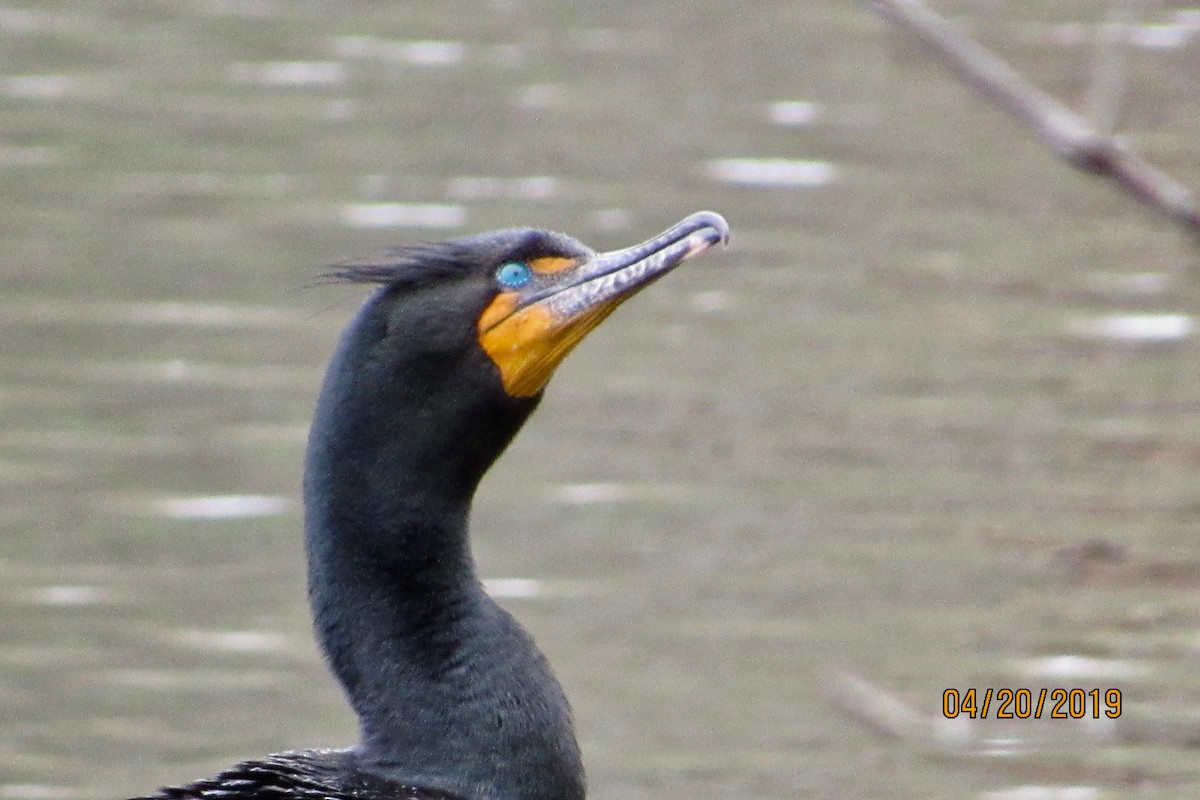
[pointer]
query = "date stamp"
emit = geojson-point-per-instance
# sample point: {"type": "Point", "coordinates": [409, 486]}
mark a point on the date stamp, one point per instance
{"type": "Point", "coordinates": [1043, 703]}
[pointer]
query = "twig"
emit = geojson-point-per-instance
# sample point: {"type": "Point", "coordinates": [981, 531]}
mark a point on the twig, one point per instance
{"type": "Point", "coordinates": [892, 717]}
{"type": "Point", "coordinates": [1068, 134]}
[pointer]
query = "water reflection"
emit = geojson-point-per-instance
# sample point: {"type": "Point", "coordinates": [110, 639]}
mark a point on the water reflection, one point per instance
{"type": "Point", "coordinates": [772, 172]}
{"type": "Point", "coordinates": [404, 215]}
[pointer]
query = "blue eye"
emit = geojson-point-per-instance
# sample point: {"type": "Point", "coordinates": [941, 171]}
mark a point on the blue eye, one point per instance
{"type": "Point", "coordinates": [514, 274]}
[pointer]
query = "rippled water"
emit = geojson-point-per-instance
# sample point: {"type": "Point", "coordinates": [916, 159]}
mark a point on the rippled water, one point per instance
{"type": "Point", "coordinates": [932, 420]}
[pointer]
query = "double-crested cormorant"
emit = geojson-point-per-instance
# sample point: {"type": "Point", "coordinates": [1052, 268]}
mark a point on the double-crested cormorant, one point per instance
{"type": "Point", "coordinates": [430, 382]}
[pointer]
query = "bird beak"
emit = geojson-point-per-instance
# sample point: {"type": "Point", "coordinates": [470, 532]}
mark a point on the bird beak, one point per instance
{"type": "Point", "coordinates": [528, 333]}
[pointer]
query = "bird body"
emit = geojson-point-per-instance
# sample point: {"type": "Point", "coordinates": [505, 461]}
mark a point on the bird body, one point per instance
{"type": "Point", "coordinates": [432, 379]}
{"type": "Point", "coordinates": [299, 775]}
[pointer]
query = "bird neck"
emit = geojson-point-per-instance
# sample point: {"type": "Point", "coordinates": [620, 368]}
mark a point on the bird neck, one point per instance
{"type": "Point", "coordinates": [450, 692]}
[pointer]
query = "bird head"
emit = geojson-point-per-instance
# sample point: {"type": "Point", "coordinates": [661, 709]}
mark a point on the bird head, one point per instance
{"type": "Point", "coordinates": [445, 362]}
{"type": "Point", "coordinates": [522, 297]}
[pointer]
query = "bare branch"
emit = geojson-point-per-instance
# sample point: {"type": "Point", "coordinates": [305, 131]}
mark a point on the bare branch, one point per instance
{"type": "Point", "coordinates": [1068, 134]}
{"type": "Point", "coordinates": [889, 715]}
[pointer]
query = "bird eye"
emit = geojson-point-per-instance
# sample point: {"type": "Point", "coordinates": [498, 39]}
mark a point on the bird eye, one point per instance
{"type": "Point", "coordinates": [514, 274]}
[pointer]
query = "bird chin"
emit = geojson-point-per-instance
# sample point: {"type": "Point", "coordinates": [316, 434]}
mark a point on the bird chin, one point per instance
{"type": "Point", "coordinates": [529, 343]}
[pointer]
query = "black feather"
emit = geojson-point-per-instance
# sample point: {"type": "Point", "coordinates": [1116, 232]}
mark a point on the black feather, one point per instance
{"type": "Point", "coordinates": [426, 262]}
{"type": "Point", "coordinates": [298, 775]}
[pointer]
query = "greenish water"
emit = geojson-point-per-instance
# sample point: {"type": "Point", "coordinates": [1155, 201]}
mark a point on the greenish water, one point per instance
{"type": "Point", "coordinates": [934, 418]}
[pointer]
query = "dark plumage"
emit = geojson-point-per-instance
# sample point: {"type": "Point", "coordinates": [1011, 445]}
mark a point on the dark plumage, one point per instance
{"type": "Point", "coordinates": [426, 262]}
{"type": "Point", "coordinates": [430, 382]}
{"type": "Point", "coordinates": [299, 775]}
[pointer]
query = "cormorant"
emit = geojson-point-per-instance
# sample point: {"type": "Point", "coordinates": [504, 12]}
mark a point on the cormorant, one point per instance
{"type": "Point", "coordinates": [430, 382]}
